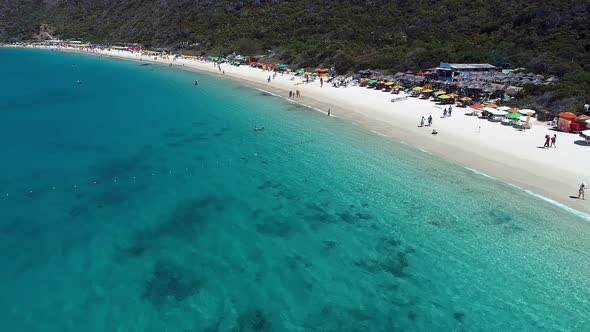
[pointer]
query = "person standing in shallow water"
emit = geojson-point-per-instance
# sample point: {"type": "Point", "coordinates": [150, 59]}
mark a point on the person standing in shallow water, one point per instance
{"type": "Point", "coordinates": [328, 112]}
{"type": "Point", "coordinates": [290, 94]}
{"type": "Point", "coordinates": [581, 191]}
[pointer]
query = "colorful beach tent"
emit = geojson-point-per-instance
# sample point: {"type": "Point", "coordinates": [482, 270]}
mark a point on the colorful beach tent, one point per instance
{"type": "Point", "coordinates": [513, 116]}
{"type": "Point", "coordinates": [564, 123]}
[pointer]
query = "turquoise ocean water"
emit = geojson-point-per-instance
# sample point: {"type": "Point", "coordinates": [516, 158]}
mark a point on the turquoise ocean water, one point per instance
{"type": "Point", "coordinates": [137, 202]}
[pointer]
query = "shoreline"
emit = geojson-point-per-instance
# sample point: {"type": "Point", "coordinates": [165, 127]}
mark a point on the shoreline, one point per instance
{"type": "Point", "coordinates": [553, 178]}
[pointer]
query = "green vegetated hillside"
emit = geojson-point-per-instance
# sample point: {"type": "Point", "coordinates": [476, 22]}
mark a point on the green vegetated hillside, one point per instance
{"type": "Point", "coordinates": [544, 36]}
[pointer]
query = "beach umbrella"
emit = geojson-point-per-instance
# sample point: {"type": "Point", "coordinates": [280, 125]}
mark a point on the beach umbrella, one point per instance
{"type": "Point", "coordinates": [453, 95]}
{"type": "Point", "coordinates": [526, 111]}
{"type": "Point", "coordinates": [496, 112]}
{"type": "Point", "coordinates": [491, 105]}
{"type": "Point", "coordinates": [476, 106]}
{"type": "Point", "coordinates": [444, 97]}
{"type": "Point", "coordinates": [372, 82]}
{"type": "Point", "coordinates": [514, 116]}
{"type": "Point", "coordinates": [418, 88]}
{"type": "Point", "coordinates": [504, 108]}
{"type": "Point", "coordinates": [427, 91]}
{"type": "Point", "coordinates": [389, 83]}
{"type": "Point", "coordinates": [439, 93]}
{"type": "Point", "coordinates": [465, 99]}
{"type": "Point", "coordinates": [398, 87]}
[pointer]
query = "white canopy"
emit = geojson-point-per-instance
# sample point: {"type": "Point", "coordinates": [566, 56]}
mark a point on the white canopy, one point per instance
{"type": "Point", "coordinates": [504, 108]}
{"type": "Point", "coordinates": [526, 111]}
{"type": "Point", "coordinates": [495, 112]}
{"type": "Point", "coordinates": [586, 132]}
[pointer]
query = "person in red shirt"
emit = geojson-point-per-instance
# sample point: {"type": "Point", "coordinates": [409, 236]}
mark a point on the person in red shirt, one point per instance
{"type": "Point", "coordinates": [547, 140]}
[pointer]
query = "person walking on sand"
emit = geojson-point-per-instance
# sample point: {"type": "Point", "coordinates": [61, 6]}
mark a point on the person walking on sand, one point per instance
{"type": "Point", "coordinates": [445, 113]}
{"type": "Point", "coordinates": [422, 122]}
{"type": "Point", "coordinates": [290, 93]}
{"type": "Point", "coordinates": [450, 110]}
{"type": "Point", "coordinates": [298, 93]}
{"type": "Point", "coordinates": [268, 79]}
{"type": "Point", "coordinates": [581, 191]}
{"type": "Point", "coordinates": [429, 120]}
{"type": "Point", "coordinates": [321, 82]}
{"type": "Point", "coordinates": [547, 140]}
{"type": "Point", "coordinates": [553, 139]}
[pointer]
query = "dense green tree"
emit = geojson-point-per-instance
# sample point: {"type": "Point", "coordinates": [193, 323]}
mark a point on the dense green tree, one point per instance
{"type": "Point", "coordinates": [545, 36]}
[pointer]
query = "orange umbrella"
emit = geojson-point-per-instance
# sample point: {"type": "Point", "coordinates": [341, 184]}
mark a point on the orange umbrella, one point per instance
{"type": "Point", "coordinates": [476, 106]}
{"type": "Point", "coordinates": [514, 110]}
{"type": "Point", "coordinates": [465, 99]}
{"type": "Point", "coordinates": [453, 95]}
{"type": "Point", "coordinates": [491, 105]}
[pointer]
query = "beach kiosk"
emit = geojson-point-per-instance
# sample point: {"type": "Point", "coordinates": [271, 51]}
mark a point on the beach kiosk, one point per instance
{"type": "Point", "coordinates": [565, 121]}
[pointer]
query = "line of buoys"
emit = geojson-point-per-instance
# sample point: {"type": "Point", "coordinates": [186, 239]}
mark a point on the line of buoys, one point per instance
{"type": "Point", "coordinates": [30, 192]}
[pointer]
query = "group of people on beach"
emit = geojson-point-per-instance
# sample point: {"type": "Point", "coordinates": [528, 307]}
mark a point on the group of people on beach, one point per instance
{"type": "Point", "coordinates": [428, 122]}
{"type": "Point", "coordinates": [295, 94]}
{"type": "Point", "coordinates": [550, 141]}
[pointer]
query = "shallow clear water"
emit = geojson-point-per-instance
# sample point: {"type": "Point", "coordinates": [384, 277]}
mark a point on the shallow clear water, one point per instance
{"type": "Point", "coordinates": [137, 202]}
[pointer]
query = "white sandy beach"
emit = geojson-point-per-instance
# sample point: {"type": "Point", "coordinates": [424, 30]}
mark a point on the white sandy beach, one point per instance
{"type": "Point", "coordinates": [491, 148]}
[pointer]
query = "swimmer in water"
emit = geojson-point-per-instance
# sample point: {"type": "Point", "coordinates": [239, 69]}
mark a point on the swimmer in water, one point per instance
{"type": "Point", "coordinates": [258, 128]}
{"type": "Point", "coordinates": [79, 82]}
{"type": "Point", "coordinates": [196, 82]}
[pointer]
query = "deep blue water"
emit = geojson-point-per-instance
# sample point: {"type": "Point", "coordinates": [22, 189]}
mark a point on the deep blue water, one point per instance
{"type": "Point", "coordinates": [137, 202]}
